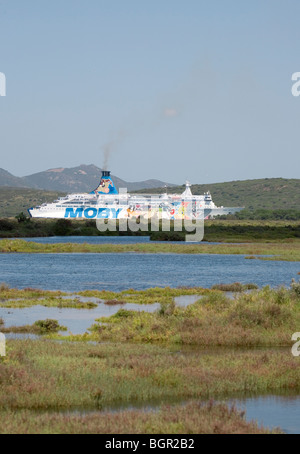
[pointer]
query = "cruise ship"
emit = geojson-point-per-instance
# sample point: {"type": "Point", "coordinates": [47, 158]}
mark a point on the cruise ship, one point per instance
{"type": "Point", "coordinates": [105, 202]}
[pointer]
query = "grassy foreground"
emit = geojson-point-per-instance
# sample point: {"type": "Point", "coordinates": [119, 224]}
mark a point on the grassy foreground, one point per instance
{"type": "Point", "coordinates": [171, 361]}
{"type": "Point", "coordinates": [287, 251]}
{"type": "Point", "coordinates": [50, 377]}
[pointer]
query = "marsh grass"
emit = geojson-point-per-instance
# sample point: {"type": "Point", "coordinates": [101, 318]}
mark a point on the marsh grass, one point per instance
{"type": "Point", "coordinates": [234, 287]}
{"type": "Point", "coordinates": [114, 302]}
{"type": "Point", "coordinates": [27, 293]}
{"type": "Point", "coordinates": [148, 296]}
{"type": "Point", "coordinates": [44, 375]}
{"type": "Point", "coordinates": [260, 318]}
{"type": "Point", "coordinates": [16, 298]}
{"type": "Point", "coordinates": [47, 302]}
{"type": "Point", "coordinates": [192, 418]}
{"type": "Point", "coordinates": [288, 250]}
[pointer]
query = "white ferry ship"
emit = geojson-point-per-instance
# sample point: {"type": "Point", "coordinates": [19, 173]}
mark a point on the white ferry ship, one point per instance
{"type": "Point", "coordinates": [106, 203]}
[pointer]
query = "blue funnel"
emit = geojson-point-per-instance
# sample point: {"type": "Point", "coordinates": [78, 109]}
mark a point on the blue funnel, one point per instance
{"type": "Point", "coordinates": [106, 185]}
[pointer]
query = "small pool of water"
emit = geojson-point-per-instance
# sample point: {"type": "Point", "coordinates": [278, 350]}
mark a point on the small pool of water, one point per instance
{"type": "Point", "coordinates": [186, 300]}
{"type": "Point", "coordinates": [77, 321]}
{"type": "Point", "coordinates": [273, 411]}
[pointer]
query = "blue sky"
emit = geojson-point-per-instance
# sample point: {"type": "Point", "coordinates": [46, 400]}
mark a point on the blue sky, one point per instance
{"type": "Point", "coordinates": [173, 89]}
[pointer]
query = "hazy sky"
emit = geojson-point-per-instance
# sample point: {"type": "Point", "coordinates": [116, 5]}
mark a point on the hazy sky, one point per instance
{"type": "Point", "coordinates": [171, 89]}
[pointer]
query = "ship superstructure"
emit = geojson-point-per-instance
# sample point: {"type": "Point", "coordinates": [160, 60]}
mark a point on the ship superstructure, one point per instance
{"type": "Point", "coordinates": [105, 202]}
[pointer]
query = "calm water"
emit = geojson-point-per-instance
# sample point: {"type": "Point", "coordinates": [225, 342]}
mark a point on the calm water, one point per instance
{"type": "Point", "coordinates": [75, 272]}
{"type": "Point", "coordinates": [273, 411]}
{"type": "Point", "coordinates": [76, 320]}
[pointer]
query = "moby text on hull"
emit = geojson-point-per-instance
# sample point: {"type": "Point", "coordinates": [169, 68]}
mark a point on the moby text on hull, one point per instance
{"type": "Point", "coordinates": [106, 203]}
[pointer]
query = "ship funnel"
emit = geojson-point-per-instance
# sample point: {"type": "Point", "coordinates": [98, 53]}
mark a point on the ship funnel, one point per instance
{"type": "Point", "coordinates": [106, 185]}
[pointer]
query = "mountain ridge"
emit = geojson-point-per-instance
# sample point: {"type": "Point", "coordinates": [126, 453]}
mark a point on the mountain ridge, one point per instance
{"type": "Point", "coordinates": [83, 178]}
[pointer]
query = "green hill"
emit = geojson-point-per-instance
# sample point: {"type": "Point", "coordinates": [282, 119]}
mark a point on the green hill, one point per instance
{"type": "Point", "coordinates": [15, 200]}
{"type": "Point", "coordinates": [267, 194]}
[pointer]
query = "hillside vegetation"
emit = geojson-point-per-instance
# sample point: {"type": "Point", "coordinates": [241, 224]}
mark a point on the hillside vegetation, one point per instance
{"type": "Point", "coordinates": [267, 194]}
{"type": "Point", "coordinates": [15, 200]}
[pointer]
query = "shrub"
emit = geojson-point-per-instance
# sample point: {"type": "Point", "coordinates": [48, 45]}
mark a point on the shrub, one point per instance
{"type": "Point", "coordinates": [21, 217]}
{"type": "Point", "coordinates": [114, 302]}
{"type": "Point", "coordinates": [5, 225]}
{"type": "Point", "coordinates": [62, 227]}
{"type": "Point", "coordinates": [4, 287]}
{"type": "Point", "coordinates": [49, 326]}
{"type": "Point", "coordinates": [167, 308]}
{"type": "Point", "coordinates": [295, 286]}
{"type": "Point", "coordinates": [235, 287]}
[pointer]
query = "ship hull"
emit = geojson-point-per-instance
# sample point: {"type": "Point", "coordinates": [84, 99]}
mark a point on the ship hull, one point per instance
{"type": "Point", "coordinates": [95, 213]}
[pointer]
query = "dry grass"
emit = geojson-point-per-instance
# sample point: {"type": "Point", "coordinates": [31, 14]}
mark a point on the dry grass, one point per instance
{"type": "Point", "coordinates": [114, 302]}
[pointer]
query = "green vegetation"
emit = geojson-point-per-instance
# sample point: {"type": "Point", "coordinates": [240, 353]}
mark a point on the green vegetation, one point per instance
{"type": "Point", "coordinates": [266, 194]}
{"type": "Point", "coordinates": [232, 229]}
{"type": "Point", "coordinates": [17, 200]}
{"type": "Point", "coordinates": [235, 287]}
{"type": "Point", "coordinates": [228, 230]}
{"type": "Point", "coordinates": [288, 251]}
{"type": "Point", "coordinates": [30, 228]}
{"type": "Point", "coordinates": [15, 298]}
{"type": "Point", "coordinates": [288, 215]}
{"type": "Point", "coordinates": [263, 317]}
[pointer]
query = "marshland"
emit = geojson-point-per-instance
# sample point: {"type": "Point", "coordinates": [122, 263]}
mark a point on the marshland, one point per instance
{"type": "Point", "coordinates": [175, 369]}
{"type": "Point", "coordinates": [112, 335]}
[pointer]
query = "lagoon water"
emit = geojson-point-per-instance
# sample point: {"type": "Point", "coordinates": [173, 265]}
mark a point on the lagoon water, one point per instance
{"type": "Point", "coordinates": [116, 272]}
